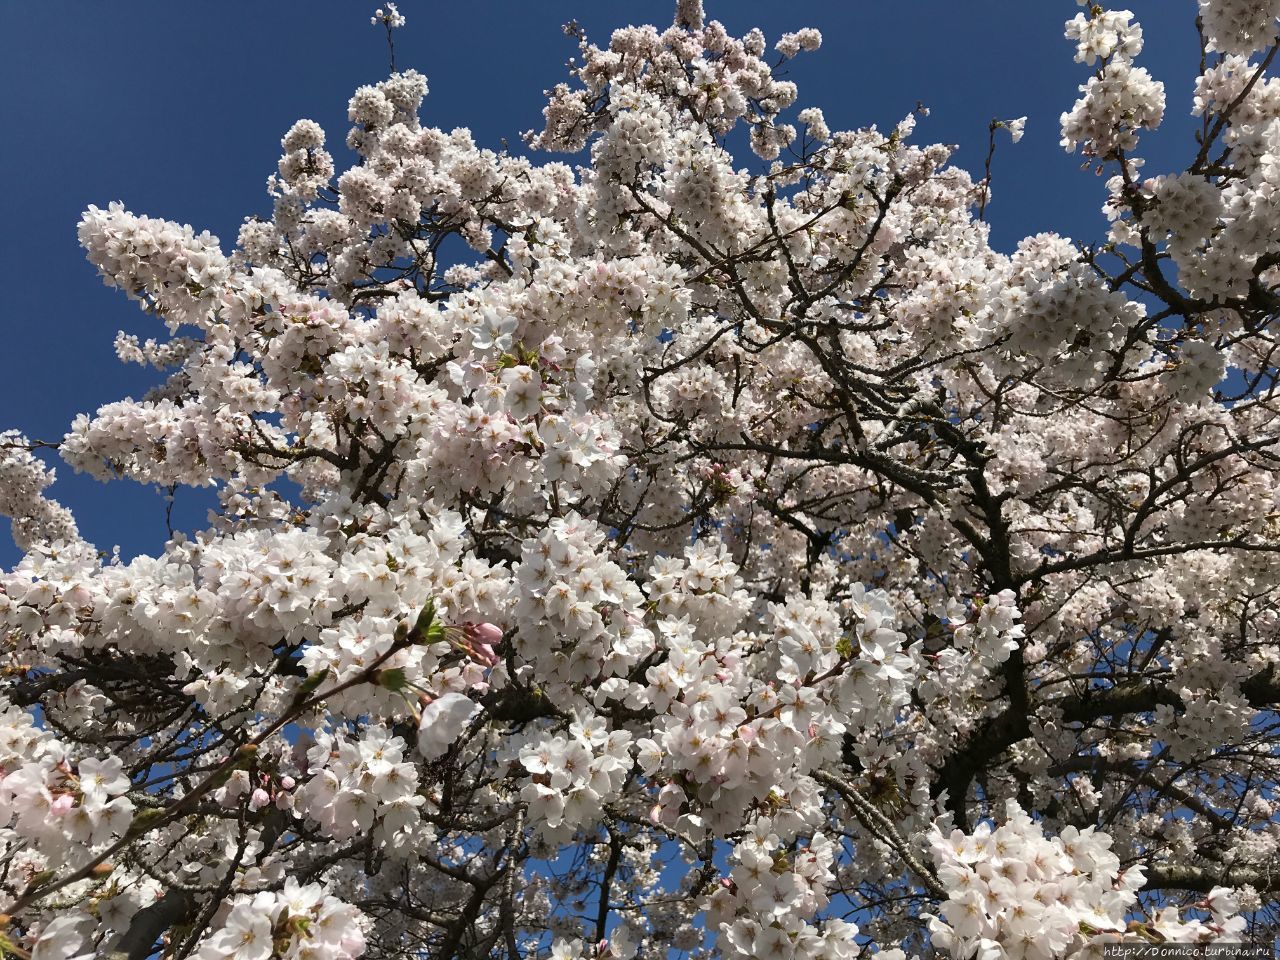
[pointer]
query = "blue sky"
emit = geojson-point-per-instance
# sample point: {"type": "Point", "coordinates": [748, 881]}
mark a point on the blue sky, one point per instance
{"type": "Point", "coordinates": [177, 109]}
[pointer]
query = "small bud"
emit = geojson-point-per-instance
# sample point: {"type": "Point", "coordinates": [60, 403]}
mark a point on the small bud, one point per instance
{"type": "Point", "coordinates": [489, 634]}
{"type": "Point", "coordinates": [425, 619]}
{"type": "Point", "coordinates": [40, 879]}
{"type": "Point", "coordinates": [145, 818]}
{"type": "Point", "coordinates": [310, 684]}
{"type": "Point", "coordinates": [393, 679]}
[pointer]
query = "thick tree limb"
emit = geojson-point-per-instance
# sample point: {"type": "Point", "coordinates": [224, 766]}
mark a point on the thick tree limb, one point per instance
{"type": "Point", "coordinates": [149, 923]}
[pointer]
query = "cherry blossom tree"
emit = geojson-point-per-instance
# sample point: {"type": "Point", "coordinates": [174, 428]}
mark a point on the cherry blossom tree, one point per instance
{"type": "Point", "coordinates": [712, 547]}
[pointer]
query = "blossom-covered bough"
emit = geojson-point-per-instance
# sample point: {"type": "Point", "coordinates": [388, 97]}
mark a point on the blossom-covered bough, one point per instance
{"type": "Point", "coordinates": [727, 555]}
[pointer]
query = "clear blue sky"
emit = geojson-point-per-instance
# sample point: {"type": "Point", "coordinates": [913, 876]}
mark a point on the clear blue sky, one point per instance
{"type": "Point", "coordinates": [177, 109]}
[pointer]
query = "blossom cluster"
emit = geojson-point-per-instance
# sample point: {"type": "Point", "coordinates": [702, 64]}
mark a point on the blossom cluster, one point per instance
{"type": "Point", "coordinates": [765, 906]}
{"type": "Point", "coordinates": [573, 776]}
{"type": "Point", "coordinates": [58, 810]}
{"type": "Point", "coordinates": [359, 783]}
{"type": "Point", "coordinates": [1240, 27]}
{"type": "Point", "coordinates": [23, 480]}
{"type": "Point", "coordinates": [663, 548]}
{"type": "Point", "coordinates": [300, 921]}
{"type": "Point", "coordinates": [1015, 893]}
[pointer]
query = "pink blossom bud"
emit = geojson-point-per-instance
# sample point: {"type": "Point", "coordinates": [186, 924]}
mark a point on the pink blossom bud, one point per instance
{"type": "Point", "coordinates": [61, 804]}
{"type": "Point", "coordinates": [488, 634]}
{"type": "Point", "coordinates": [259, 799]}
{"type": "Point", "coordinates": [288, 783]}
